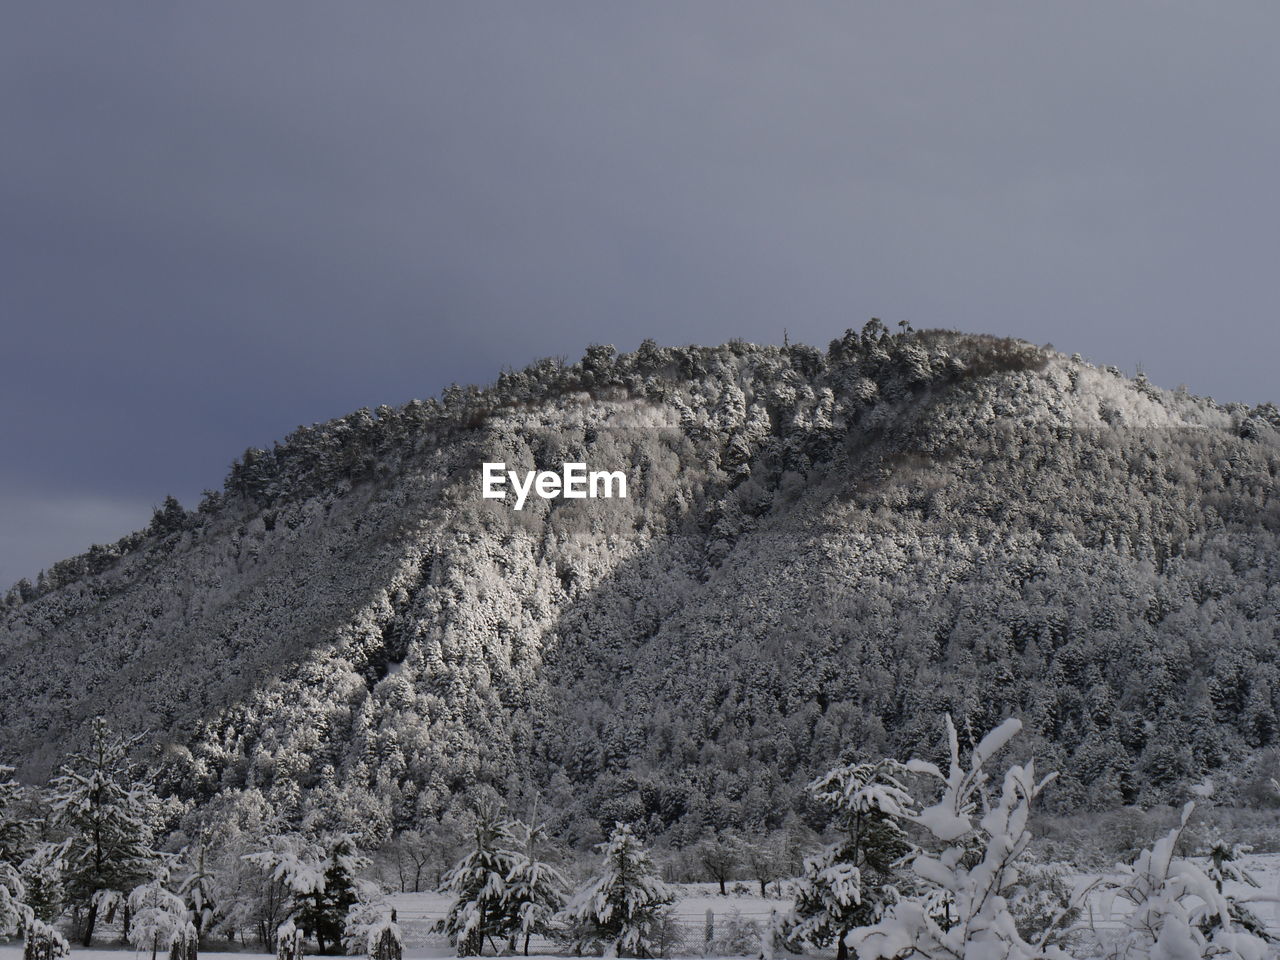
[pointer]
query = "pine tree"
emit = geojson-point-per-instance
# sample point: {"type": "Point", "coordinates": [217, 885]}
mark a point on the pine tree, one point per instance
{"type": "Point", "coordinates": [319, 878]}
{"type": "Point", "coordinates": [624, 906]}
{"type": "Point", "coordinates": [323, 909]}
{"type": "Point", "coordinates": [106, 813]}
{"type": "Point", "coordinates": [536, 890]}
{"type": "Point", "coordinates": [198, 888]}
{"type": "Point", "coordinates": [850, 882]}
{"type": "Point", "coordinates": [15, 829]}
{"type": "Point", "coordinates": [13, 911]}
{"type": "Point", "coordinates": [42, 874]}
{"type": "Point", "coordinates": [478, 883]}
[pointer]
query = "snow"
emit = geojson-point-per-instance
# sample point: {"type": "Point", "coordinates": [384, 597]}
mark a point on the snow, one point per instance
{"type": "Point", "coordinates": [417, 911]}
{"type": "Point", "coordinates": [13, 951]}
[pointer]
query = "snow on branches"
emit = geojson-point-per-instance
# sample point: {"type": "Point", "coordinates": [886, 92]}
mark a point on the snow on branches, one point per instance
{"type": "Point", "coordinates": [159, 918]}
{"type": "Point", "coordinates": [1177, 911]}
{"type": "Point", "coordinates": [624, 906]}
{"type": "Point", "coordinates": [962, 911]}
{"type": "Point", "coordinates": [850, 882]}
{"type": "Point", "coordinates": [501, 890]}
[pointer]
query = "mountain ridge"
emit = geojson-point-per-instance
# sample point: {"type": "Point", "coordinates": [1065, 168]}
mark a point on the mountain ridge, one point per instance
{"type": "Point", "coordinates": [824, 552]}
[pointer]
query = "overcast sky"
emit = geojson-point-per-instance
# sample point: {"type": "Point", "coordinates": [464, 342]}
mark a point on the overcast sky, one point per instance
{"type": "Point", "coordinates": [221, 220]}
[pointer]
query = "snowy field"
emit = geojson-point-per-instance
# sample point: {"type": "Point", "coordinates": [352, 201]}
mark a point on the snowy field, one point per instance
{"type": "Point", "coordinates": [1264, 868]}
{"type": "Point", "coordinates": [418, 911]}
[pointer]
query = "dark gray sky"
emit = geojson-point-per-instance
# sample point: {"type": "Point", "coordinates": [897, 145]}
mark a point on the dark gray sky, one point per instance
{"type": "Point", "coordinates": [220, 220]}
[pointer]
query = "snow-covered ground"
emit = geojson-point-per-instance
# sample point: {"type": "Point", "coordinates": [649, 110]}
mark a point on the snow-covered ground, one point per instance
{"type": "Point", "coordinates": [417, 912]}
{"type": "Point", "coordinates": [1264, 868]}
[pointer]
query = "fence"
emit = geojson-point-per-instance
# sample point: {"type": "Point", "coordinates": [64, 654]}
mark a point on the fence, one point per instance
{"type": "Point", "coordinates": [696, 933]}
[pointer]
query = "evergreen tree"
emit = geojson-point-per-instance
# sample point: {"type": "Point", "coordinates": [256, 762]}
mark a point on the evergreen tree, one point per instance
{"type": "Point", "coordinates": [198, 887]}
{"type": "Point", "coordinates": [535, 889]}
{"type": "Point", "coordinates": [624, 906]}
{"type": "Point", "coordinates": [478, 883]}
{"type": "Point", "coordinates": [319, 878]}
{"type": "Point", "coordinates": [42, 875]}
{"type": "Point", "coordinates": [105, 811]}
{"type": "Point", "coordinates": [13, 911]}
{"type": "Point", "coordinates": [851, 881]}
{"type": "Point", "coordinates": [322, 910]}
{"type": "Point", "coordinates": [15, 829]}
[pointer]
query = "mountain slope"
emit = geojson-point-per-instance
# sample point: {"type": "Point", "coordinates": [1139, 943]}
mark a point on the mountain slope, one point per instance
{"type": "Point", "coordinates": [820, 553]}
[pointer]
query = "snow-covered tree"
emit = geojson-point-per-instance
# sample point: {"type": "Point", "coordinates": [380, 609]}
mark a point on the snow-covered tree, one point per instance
{"type": "Point", "coordinates": [42, 874]}
{"type": "Point", "coordinates": [850, 882]}
{"type": "Point", "coordinates": [288, 940]}
{"type": "Point", "coordinates": [623, 907]}
{"type": "Point", "coordinates": [323, 910]}
{"type": "Point", "coordinates": [43, 942]}
{"type": "Point", "coordinates": [1225, 868]}
{"type": "Point", "coordinates": [536, 890]}
{"type": "Point", "coordinates": [13, 911]}
{"type": "Point", "coordinates": [718, 856]}
{"type": "Point", "coordinates": [106, 812]}
{"type": "Point", "coordinates": [198, 886]}
{"type": "Point", "coordinates": [319, 877]}
{"type": "Point", "coordinates": [963, 912]}
{"type": "Point", "coordinates": [763, 857]}
{"type": "Point", "coordinates": [1176, 911]}
{"type": "Point", "coordinates": [158, 918]}
{"type": "Point", "coordinates": [362, 917]}
{"type": "Point", "coordinates": [252, 895]}
{"type": "Point", "coordinates": [371, 927]}
{"type": "Point", "coordinates": [478, 884]}
{"type": "Point", "coordinates": [385, 941]}
{"type": "Point", "coordinates": [15, 828]}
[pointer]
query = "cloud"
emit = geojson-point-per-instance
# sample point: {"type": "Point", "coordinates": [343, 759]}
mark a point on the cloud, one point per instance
{"type": "Point", "coordinates": [222, 221]}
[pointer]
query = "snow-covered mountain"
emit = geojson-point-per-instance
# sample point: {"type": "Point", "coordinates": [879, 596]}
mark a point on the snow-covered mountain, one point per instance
{"type": "Point", "coordinates": [819, 554]}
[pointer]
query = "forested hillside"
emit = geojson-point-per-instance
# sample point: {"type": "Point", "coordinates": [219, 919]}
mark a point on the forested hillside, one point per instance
{"type": "Point", "coordinates": [822, 552]}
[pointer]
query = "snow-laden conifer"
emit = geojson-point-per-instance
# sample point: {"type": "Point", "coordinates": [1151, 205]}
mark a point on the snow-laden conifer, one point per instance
{"type": "Point", "coordinates": [15, 829]}
{"type": "Point", "coordinates": [320, 876]}
{"type": "Point", "coordinates": [44, 942]}
{"type": "Point", "coordinates": [623, 907]}
{"type": "Point", "coordinates": [42, 873]}
{"type": "Point", "coordinates": [536, 889]}
{"type": "Point", "coordinates": [14, 913]}
{"type": "Point", "coordinates": [850, 882]}
{"type": "Point", "coordinates": [159, 918]}
{"type": "Point", "coordinates": [384, 940]}
{"type": "Point", "coordinates": [106, 811]}
{"type": "Point", "coordinates": [198, 886]}
{"type": "Point", "coordinates": [478, 884]}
